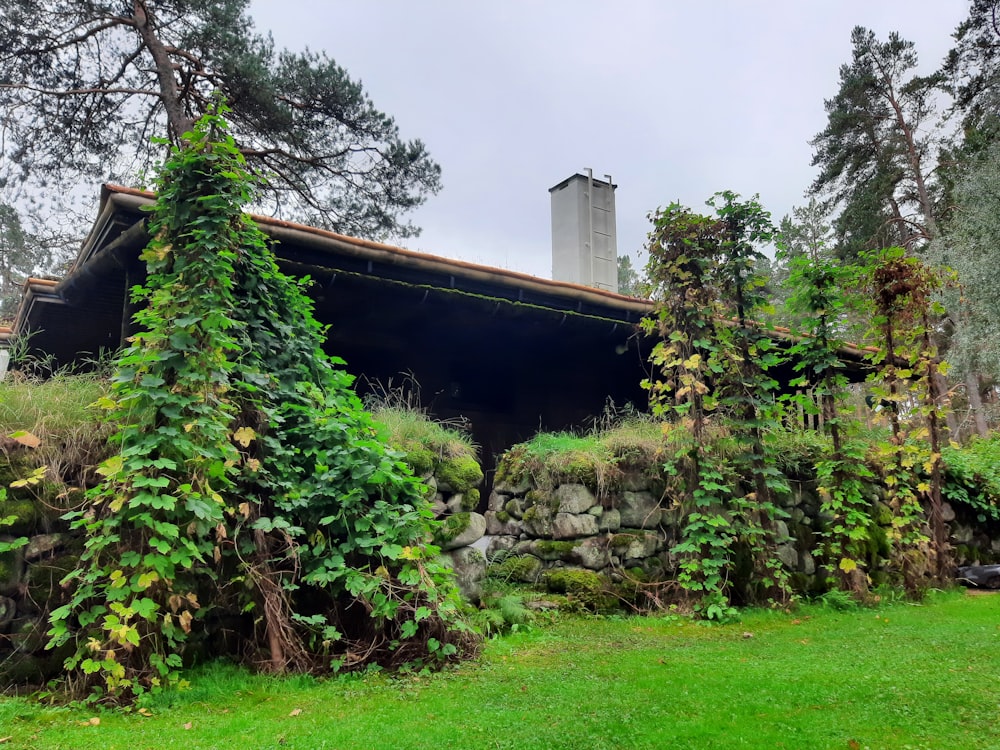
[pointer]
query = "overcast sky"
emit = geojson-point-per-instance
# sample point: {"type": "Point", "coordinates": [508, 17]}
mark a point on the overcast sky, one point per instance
{"type": "Point", "coordinates": [675, 99]}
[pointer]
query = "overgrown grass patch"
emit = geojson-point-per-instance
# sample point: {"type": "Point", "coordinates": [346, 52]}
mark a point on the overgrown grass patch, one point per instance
{"type": "Point", "coordinates": [59, 412]}
{"type": "Point", "coordinates": [901, 676]}
{"type": "Point", "coordinates": [596, 458]}
{"type": "Point", "coordinates": [51, 407]}
{"type": "Point", "coordinates": [425, 442]}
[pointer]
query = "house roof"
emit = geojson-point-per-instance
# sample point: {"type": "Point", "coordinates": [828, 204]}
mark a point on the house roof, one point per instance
{"type": "Point", "coordinates": [88, 310]}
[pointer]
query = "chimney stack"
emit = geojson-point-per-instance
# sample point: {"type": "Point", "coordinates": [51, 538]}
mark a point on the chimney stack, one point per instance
{"type": "Point", "coordinates": [584, 244]}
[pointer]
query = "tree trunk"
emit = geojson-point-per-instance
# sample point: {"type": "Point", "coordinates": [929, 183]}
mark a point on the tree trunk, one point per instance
{"type": "Point", "coordinates": [178, 121]}
{"type": "Point", "coordinates": [976, 403]}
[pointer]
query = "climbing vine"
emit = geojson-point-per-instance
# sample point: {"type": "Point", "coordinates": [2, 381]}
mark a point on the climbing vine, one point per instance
{"type": "Point", "coordinates": [819, 301]}
{"type": "Point", "coordinates": [248, 478]}
{"type": "Point", "coordinates": [711, 365]}
{"type": "Point", "coordinates": [901, 289]}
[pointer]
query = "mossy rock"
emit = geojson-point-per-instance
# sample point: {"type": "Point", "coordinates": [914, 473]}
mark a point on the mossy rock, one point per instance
{"type": "Point", "coordinates": [512, 469]}
{"type": "Point", "coordinates": [8, 567]}
{"type": "Point", "coordinates": [520, 568]}
{"type": "Point", "coordinates": [879, 547]}
{"type": "Point", "coordinates": [882, 514]}
{"type": "Point", "coordinates": [420, 460]}
{"type": "Point", "coordinates": [539, 505]}
{"type": "Point", "coordinates": [23, 668]}
{"type": "Point", "coordinates": [470, 499]}
{"type": "Point", "coordinates": [514, 507]}
{"type": "Point", "coordinates": [967, 555]}
{"type": "Point", "coordinates": [577, 467]}
{"type": "Point", "coordinates": [460, 473]}
{"type": "Point", "coordinates": [47, 574]}
{"type": "Point", "coordinates": [589, 589]}
{"type": "Point", "coordinates": [28, 515]}
{"type": "Point", "coordinates": [451, 527]}
{"type": "Point", "coordinates": [551, 550]}
{"type": "Point", "coordinates": [633, 583]}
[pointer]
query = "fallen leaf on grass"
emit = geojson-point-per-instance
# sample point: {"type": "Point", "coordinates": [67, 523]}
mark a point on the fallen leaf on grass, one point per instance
{"type": "Point", "coordinates": [295, 712]}
{"type": "Point", "coordinates": [144, 712]}
{"type": "Point", "coordinates": [5, 739]}
{"type": "Point", "coordinates": [748, 635]}
{"type": "Point", "coordinates": [93, 721]}
{"type": "Point", "coordinates": [26, 439]}
{"type": "Point", "coordinates": [188, 725]}
{"type": "Point", "coordinates": [854, 745]}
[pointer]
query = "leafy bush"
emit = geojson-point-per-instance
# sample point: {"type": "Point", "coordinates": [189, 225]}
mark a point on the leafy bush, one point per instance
{"type": "Point", "coordinates": [249, 478]}
{"type": "Point", "coordinates": [972, 476]}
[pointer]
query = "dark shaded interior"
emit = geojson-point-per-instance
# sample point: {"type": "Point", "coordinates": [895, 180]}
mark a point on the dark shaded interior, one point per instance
{"type": "Point", "coordinates": [509, 353]}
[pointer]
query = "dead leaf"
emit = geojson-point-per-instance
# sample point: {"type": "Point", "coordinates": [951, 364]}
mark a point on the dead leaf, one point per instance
{"type": "Point", "coordinates": [854, 745]}
{"type": "Point", "coordinates": [25, 438]}
{"type": "Point", "coordinates": [244, 436]}
{"type": "Point", "coordinates": [748, 635]}
{"type": "Point", "coordinates": [295, 712]}
{"type": "Point", "coordinates": [5, 739]}
{"type": "Point", "coordinates": [188, 725]}
{"type": "Point", "coordinates": [145, 712]}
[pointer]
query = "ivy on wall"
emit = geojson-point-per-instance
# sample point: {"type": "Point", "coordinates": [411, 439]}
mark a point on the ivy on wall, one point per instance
{"type": "Point", "coordinates": [248, 477]}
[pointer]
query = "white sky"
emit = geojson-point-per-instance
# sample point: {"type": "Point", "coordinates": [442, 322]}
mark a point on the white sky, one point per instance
{"type": "Point", "coordinates": [675, 99]}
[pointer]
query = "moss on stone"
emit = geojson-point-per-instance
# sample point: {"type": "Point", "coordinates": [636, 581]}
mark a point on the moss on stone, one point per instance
{"type": "Point", "coordinates": [45, 575]}
{"type": "Point", "coordinates": [461, 473]}
{"type": "Point", "coordinates": [620, 540]}
{"type": "Point", "coordinates": [513, 467]}
{"type": "Point", "coordinates": [8, 567]}
{"type": "Point", "coordinates": [451, 527]}
{"type": "Point", "coordinates": [420, 459]}
{"type": "Point", "coordinates": [514, 507]}
{"type": "Point", "coordinates": [530, 514]}
{"type": "Point", "coordinates": [27, 514]}
{"type": "Point", "coordinates": [879, 547]}
{"type": "Point", "coordinates": [523, 568]}
{"type": "Point", "coordinates": [502, 516]}
{"type": "Point", "coordinates": [549, 548]}
{"type": "Point", "coordinates": [537, 497]}
{"type": "Point", "coordinates": [882, 514]}
{"type": "Point", "coordinates": [470, 499]}
{"type": "Point", "coordinates": [586, 587]}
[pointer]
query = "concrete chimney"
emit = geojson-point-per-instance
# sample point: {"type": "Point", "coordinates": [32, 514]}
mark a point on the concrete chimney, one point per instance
{"type": "Point", "coordinates": [584, 243]}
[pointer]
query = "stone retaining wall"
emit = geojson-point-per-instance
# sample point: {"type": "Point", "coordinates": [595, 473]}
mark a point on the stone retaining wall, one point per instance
{"type": "Point", "coordinates": [30, 576]}
{"type": "Point", "coordinates": [629, 531]}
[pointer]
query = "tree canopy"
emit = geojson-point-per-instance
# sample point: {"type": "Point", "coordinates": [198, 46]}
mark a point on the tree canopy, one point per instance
{"type": "Point", "coordinates": [85, 85]}
{"type": "Point", "coordinates": [873, 153]}
{"type": "Point", "coordinates": [972, 69]}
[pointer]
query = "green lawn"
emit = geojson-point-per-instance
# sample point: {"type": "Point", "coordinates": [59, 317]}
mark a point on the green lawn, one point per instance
{"type": "Point", "coordinates": [903, 676]}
